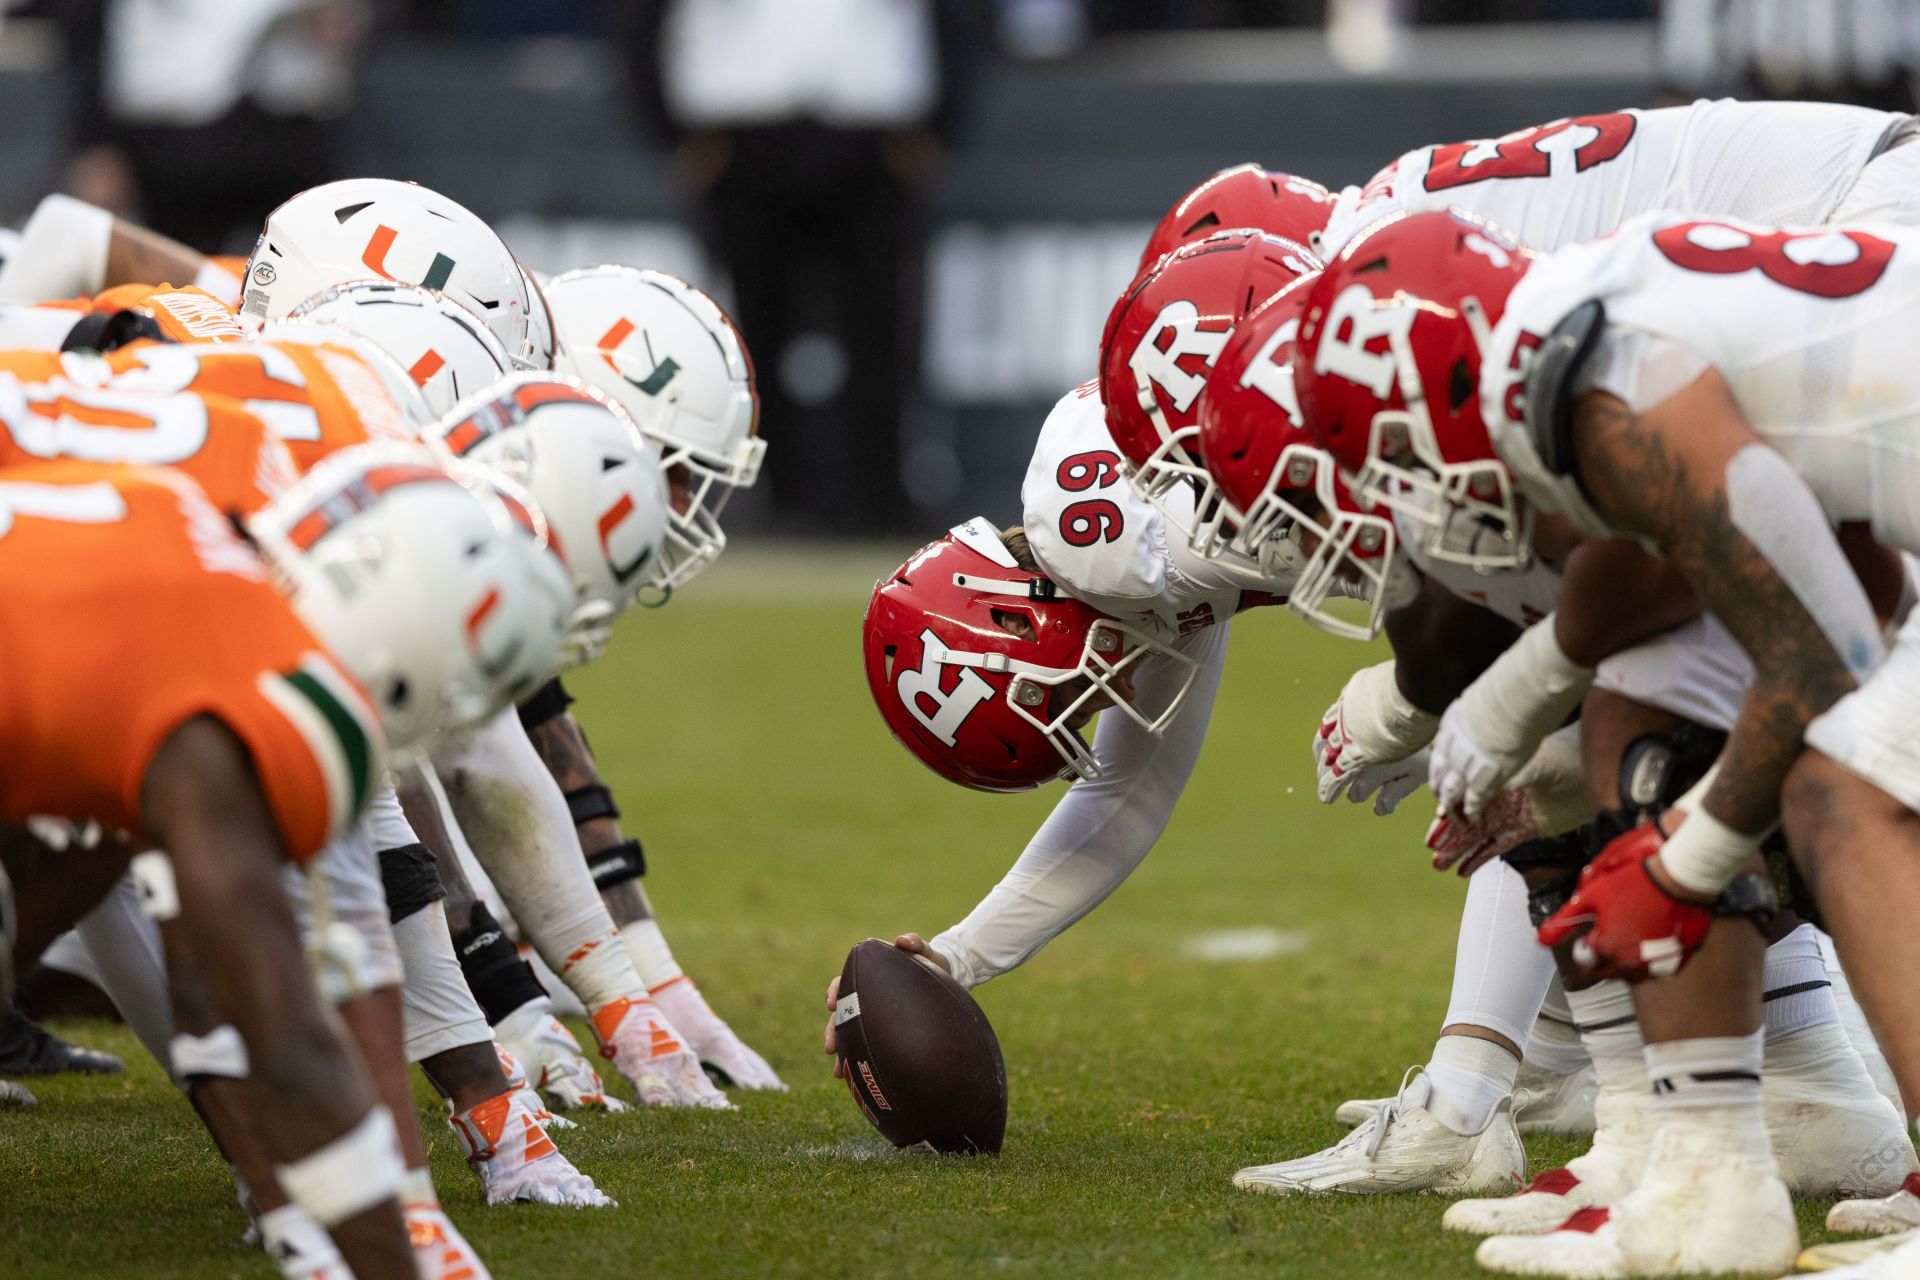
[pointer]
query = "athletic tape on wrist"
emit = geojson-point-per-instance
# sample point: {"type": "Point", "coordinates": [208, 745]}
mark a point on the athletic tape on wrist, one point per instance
{"type": "Point", "coordinates": [221, 1052]}
{"type": "Point", "coordinates": [153, 882]}
{"type": "Point", "coordinates": [1703, 855]}
{"type": "Point", "coordinates": [356, 1171]}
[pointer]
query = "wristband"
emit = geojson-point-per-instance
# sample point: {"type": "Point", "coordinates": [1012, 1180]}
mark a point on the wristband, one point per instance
{"type": "Point", "coordinates": [356, 1171]}
{"type": "Point", "coordinates": [1705, 853]}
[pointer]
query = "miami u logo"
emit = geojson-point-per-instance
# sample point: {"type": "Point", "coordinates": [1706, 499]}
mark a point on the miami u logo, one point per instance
{"type": "Point", "coordinates": [654, 383]}
{"type": "Point", "coordinates": [376, 257]}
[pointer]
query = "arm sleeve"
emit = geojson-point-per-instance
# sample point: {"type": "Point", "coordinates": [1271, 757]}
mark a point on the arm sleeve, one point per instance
{"type": "Point", "coordinates": [1100, 831]}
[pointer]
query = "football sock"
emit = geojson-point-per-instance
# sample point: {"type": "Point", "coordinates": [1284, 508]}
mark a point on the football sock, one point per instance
{"type": "Point", "coordinates": [647, 948]}
{"type": "Point", "coordinates": [1711, 1086]}
{"type": "Point", "coordinates": [1554, 1046]}
{"type": "Point", "coordinates": [437, 1007]}
{"type": "Point", "coordinates": [518, 824]}
{"type": "Point", "coordinates": [1799, 992]}
{"type": "Point", "coordinates": [1603, 1015]}
{"type": "Point", "coordinates": [1470, 1076]}
{"type": "Point", "coordinates": [1500, 971]}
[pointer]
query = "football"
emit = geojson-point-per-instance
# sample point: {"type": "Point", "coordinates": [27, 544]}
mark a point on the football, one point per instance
{"type": "Point", "coordinates": [922, 1060]}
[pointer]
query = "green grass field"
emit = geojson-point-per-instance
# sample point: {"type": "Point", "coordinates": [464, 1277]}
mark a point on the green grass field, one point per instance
{"type": "Point", "coordinates": [782, 825]}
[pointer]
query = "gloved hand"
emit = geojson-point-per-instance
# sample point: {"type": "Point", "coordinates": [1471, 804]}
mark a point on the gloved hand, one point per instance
{"type": "Point", "coordinates": [1369, 742]}
{"type": "Point", "coordinates": [1493, 728]}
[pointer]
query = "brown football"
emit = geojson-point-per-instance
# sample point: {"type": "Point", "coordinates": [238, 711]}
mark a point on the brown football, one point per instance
{"type": "Point", "coordinates": [922, 1060]}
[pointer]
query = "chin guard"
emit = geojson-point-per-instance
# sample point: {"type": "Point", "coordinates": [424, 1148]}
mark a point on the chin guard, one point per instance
{"type": "Point", "coordinates": [1556, 367]}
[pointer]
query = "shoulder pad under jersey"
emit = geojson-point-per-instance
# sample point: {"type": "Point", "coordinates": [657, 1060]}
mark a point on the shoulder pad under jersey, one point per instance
{"type": "Point", "coordinates": [1550, 384]}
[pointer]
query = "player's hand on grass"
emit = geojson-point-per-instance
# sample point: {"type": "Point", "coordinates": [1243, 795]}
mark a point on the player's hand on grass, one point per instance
{"type": "Point", "coordinates": [913, 944]}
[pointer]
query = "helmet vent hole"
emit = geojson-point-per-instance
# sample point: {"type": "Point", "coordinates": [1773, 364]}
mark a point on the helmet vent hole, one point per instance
{"type": "Point", "coordinates": [1015, 624]}
{"type": "Point", "coordinates": [398, 693]}
{"type": "Point", "coordinates": [345, 212]}
{"type": "Point", "coordinates": [610, 464]}
{"type": "Point", "coordinates": [1460, 387]}
{"type": "Point", "coordinates": [888, 655]}
{"type": "Point", "coordinates": [1206, 223]}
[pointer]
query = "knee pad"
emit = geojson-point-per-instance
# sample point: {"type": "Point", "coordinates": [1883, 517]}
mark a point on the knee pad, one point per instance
{"type": "Point", "coordinates": [1564, 856]}
{"type": "Point", "coordinates": [499, 979]}
{"type": "Point", "coordinates": [1657, 768]}
{"type": "Point", "coordinates": [411, 879]}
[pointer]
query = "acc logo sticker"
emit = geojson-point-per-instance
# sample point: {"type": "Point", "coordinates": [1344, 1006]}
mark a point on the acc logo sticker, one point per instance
{"type": "Point", "coordinates": [265, 274]}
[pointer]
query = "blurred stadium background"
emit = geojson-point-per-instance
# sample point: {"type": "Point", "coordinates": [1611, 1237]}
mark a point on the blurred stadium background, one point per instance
{"type": "Point", "coordinates": [924, 274]}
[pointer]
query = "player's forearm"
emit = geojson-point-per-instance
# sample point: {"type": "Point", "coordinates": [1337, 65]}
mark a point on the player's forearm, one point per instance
{"type": "Point", "coordinates": [136, 255]}
{"type": "Point", "coordinates": [1441, 644]}
{"type": "Point", "coordinates": [1614, 595]}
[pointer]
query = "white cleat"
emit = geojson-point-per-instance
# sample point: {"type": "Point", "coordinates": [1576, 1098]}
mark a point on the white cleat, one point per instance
{"type": "Point", "coordinates": [1699, 1210]}
{"type": "Point", "coordinates": [1547, 1102]}
{"type": "Point", "coordinates": [440, 1251]}
{"type": "Point", "coordinates": [1607, 1172]}
{"type": "Point", "coordinates": [1833, 1132]}
{"type": "Point", "coordinates": [1885, 1216]}
{"type": "Point", "coordinates": [553, 1060]}
{"type": "Point", "coordinates": [720, 1050]}
{"type": "Point", "coordinates": [651, 1054]}
{"type": "Point", "coordinates": [507, 1145]}
{"type": "Point", "coordinates": [1542, 1102]}
{"type": "Point", "coordinates": [1402, 1148]}
{"type": "Point", "coordinates": [1895, 1257]}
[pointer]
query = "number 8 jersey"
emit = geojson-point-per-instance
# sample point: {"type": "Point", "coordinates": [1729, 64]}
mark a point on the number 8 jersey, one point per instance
{"type": "Point", "coordinates": [1575, 179]}
{"type": "Point", "coordinates": [1812, 328]}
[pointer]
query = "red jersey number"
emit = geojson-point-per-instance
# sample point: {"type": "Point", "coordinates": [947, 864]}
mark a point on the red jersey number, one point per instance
{"type": "Point", "coordinates": [1091, 521]}
{"type": "Point", "coordinates": [1522, 156]}
{"type": "Point", "coordinates": [1095, 469]}
{"type": "Point", "coordinates": [1715, 248]}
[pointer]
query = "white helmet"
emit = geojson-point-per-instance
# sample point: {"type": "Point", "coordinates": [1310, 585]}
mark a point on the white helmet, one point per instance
{"type": "Point", "coordinates": [673, 360]}
{"type": "Point", "coordinates": [421, 582]}
{"type": "Point", "coordinates": [596, 478]}
{"type": "Point", "coordinates": [406, 395]}
{"type": "Point", "coordinates": [444, 350]}
{"type": "Point", "coordinates": [376, 227]}
{"type": "Point", "coordinates": [540, 342]}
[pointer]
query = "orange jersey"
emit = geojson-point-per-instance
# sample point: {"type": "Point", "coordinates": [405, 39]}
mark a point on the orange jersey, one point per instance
{"type": "Point", "coordinates": [128, 606]}
{"type": "Point", "coordinates": [184, 314]}
{"type": "Point", "coordinates": [87, 408]}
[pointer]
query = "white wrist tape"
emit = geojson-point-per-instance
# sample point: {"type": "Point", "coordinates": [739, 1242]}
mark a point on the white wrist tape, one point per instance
{"type": "Point", "coordinates": [220, 1052]}
{"type": "Point", "coordinates": [62, 253]}
{"type": "Point", "coordinates": [356, 1171]}
{"type": "Point", "coordinates": [1706, 853]}
{"type": "Point", "coordinates": [1378, 717]}
{"type": "Point", "coordinates": [1526, 693]}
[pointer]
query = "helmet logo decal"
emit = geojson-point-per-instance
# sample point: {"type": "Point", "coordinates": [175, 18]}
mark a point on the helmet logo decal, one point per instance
{"type": "Point", "coordinates": [426, 366]}
{"type": "Point", "coordinates": [1179, 322]}
{"type": "Point", "coordinates": [663, 372]}
{"type": "Point", "coordinates": [610, 519]}
{"type": "Point", "coordinates": [950, 709]}
{"type": "Point", "coordinates": [376, 257]}
{"type": "Point", "coordinates": [1347, 354]}
{"type": "Point", "coordinates": [1272, 379]}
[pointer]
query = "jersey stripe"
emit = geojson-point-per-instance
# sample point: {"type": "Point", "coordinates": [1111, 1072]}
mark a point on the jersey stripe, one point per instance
{"type": "Point", "coordinates": [343, 749]}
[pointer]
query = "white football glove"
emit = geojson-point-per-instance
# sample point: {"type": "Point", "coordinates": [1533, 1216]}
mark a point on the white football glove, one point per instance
{"type": "Point", "coordinates": [552, 1059]}
{"type": "Point", "coordinates": [712, 1039]}
{"type": "Point", "coordinates": [1548, 797]}
{"type": "Point", "coordinates": [1369, 742]}
{"type": "Point", "coordinates": [1494, 728]}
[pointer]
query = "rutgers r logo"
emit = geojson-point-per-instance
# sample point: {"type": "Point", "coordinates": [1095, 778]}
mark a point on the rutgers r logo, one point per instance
{"type": "Point", "coordinates": [920, 688]}
{"type": "Point", "coordinates": [1353, 322]}
{"type": "Point", "coordinates": [1178, 327]}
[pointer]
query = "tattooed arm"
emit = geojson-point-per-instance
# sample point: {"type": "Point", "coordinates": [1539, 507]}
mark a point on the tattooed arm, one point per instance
{"type": "Point", "coordinates": [1756, 554]}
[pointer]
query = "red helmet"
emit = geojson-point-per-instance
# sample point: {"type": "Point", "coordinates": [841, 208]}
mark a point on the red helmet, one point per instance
{"type": "Point", "coordinates": [1161, 338]}
{"type": "Point", "coordinates": [1281, 489]}
{"type": "Point", "coordinates": [980, 704]}
{"type": "Point", "coordinates": [1388, 377]}
{"type": "Point", "coordinates": [1244, 196]}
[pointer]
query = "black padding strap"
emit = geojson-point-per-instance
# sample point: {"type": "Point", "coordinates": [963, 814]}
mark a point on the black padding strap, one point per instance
{"type": "Point", "coordinates": [104, 331]}
{"type": "Point", "coordinates": [1550, 382]}
{"type": "Point", "coordinates": [499, 979]}
{"type": "Point", "coordinates": [1749, 895]}
{"type": "Point", "coordinates": [411, 879]}
{"type": "Point", "coordinates": [617, 865]}
{"type": "Point", "coordinates": [1564, 856]}
{"type": "Point", "coordinates": [590, 802]}
{"type": "Point", "coordinates": [548, 702]}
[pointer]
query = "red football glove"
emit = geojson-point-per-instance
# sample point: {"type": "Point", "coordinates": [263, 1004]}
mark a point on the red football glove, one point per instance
{"type": "Point", "coordinates": [1633, 928]}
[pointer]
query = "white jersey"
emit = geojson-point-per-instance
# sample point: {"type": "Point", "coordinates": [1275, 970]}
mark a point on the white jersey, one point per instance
{"type": "Point", "coordinates": [1109, 548]}
{"type": "Point", "coordinates": [1780, 163]}
{"type": "Point", "coordinates": [1112, 549]}
{"type": "Point", "coordinates": [1811, 328]}
{"type": "Point", "coordinates": [1522, 596]}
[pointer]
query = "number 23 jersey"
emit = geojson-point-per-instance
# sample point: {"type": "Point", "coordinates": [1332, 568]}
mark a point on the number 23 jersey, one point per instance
{"type": "Point", "coordinates": [1571, 180]}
